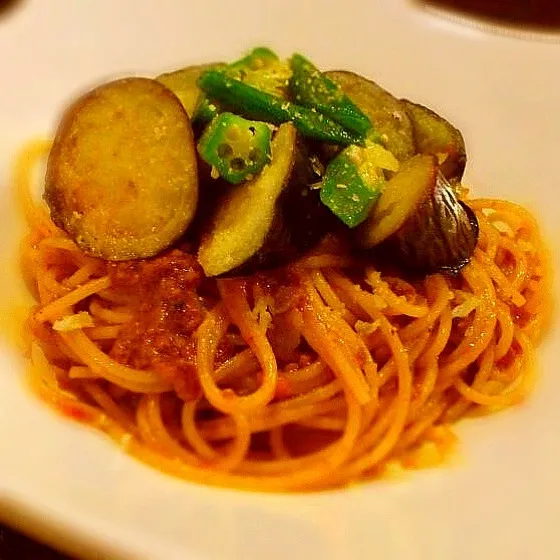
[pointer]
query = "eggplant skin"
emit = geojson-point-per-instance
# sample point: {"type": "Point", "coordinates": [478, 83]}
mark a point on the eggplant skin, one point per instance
{"type": "Point", "coordinates": [386, 112]}
{"type": "Point", "coordinates": [471, 216]}
{"type": "Point", "coordinates": [440, 236]}
{"type": "Point", "coordinates": [418, 224]}
{"type": "Point", "coordinates": [406, 191]}
{"type": "Point", "coordinates": [435, 135]}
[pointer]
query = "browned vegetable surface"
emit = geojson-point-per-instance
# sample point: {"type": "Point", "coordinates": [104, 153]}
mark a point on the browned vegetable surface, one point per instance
{"type": "Point", "coordinates": [420, 221]}
{"type": "Point", "coordinates": [183, 83]}
{"type": "Point", "coordinates": [435, 135]}
{"type": "Point", "coordinates": [121, 176]}
{"type": "Point", "coordinates": [407, 189]}
{"type": "Point", "coordinates": [387, 114]}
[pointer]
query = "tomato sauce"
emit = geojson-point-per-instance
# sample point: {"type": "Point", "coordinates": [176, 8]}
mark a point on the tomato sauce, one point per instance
{"type": "Point", "coordinates": [168, 310]}
{"type": "Point", "coordinates": [76, 412]}
{"type": "Point", "coordinates": [169, 296]}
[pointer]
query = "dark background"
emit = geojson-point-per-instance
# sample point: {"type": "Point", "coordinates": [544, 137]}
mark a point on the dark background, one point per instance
{"type": "Point", "coordinates": [519, 13]}
{"type": "Point", "coordinates": [14, 546]}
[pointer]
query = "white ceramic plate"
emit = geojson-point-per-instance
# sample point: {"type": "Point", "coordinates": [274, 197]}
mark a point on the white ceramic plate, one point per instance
{"type": "Point", "coordinates": [68, 484]}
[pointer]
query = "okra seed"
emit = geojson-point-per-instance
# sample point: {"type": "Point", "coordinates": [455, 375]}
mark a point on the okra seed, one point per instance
{"type": "Point", "coordinates": [254, 154]}
{"type": "Point", "coordinates": [237, 164]}
{"type": "Point", "coordinates": [225, 151]}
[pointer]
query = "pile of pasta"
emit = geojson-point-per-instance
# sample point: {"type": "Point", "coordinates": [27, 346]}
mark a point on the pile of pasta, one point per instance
{"type": "Point", "coordinates": [385, 365]}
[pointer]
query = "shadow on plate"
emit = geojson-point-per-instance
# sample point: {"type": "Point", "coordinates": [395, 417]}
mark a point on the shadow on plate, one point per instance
{"type": "Point", "coordinates": [530, 15]}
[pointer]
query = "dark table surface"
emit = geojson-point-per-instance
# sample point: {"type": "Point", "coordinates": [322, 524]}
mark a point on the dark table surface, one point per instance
{"type": "Point", "coordinates": [15, 546]}
{"type": "Point", "coordinates": [534, 13]}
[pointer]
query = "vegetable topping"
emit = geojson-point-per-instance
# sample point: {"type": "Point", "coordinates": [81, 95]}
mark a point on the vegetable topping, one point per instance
{"type": "Point", "coordinates": [183, 84]}
{"type": "Point", "coordinates": [254, 103]}
{"type": "Point", "coordinates": [354, 180]}
{"type": "Point", "coordinates": [262, 69]}
{"type": "Point", "coordinates": [121, 176]}
{"type": "Point", "coordinates": [418, 213]}
{"type": "Point", "coordinates": [313, 89]}
{"type": "Point", "coordinates": [434, 135]}
{"type": "Point", "coordinates": [243, 220]}
{"type": "Point", "coordinates": [235, 147]}
{"type": "Point", "coordinates": [286, 155]}
{"type": "Point", "coordinates": [385, 111]}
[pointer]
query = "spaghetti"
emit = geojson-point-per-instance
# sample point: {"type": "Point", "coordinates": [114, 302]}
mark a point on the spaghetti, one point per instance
{"type": "Point", "coordinates": [325, 373]}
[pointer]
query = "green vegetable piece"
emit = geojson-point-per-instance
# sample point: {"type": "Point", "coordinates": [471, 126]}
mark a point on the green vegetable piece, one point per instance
{"type": "Point", "coordinates": [311, 88]}
{"type": "Point", "coordinates": [261, 68]}
{"type": "Point", "coordinates": [346, 193]}
{"type": "Point", "coordinates": [204, 111]}
{"type": "Point", "coordinates": [235, 147]}
{"type": "Point", "coordinates": [256, 104]}
{"type": "Point", "coordinates": [258, 58]}
{"type": "Point", "coordinates": [354, 181]}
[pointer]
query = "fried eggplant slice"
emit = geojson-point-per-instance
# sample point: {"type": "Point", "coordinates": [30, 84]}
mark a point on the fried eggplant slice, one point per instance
{"type": "Point", "coordinates": [440, 236]}
{"type": "Point", "coordinates": [300, 220]}
{"type": "Point", "coordinates": [388, 115]}
{"type": "Point", "coordinates": [420, 221]}
{"type": "Point", "coordinates": [269, 220]}
{"type": "Point", "coordinates": [121, 176]}
{"type": "Point", "coordinates": [244, 218]}
{"type": "Point", "coordinates": [403, 193]}
{"type": "Point", "coordinates": [435, 135]}
{"type": "Point", "coordinates": [183, 83]}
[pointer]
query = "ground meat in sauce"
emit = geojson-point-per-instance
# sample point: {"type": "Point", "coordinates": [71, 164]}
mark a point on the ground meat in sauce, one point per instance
{"type": "Point", "coordinates": [163, 290]}
{"type": "Point", "coordinates": [170, 296]}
